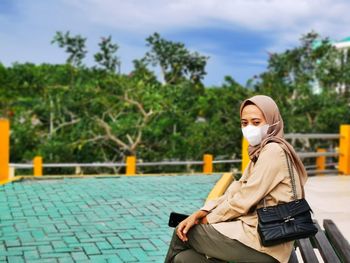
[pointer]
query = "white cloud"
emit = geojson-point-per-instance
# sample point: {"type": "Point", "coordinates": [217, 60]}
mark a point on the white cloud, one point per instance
{"type": "Point", "coordinates": [28, 33]}
{"type": "Point", "coordinates": [252, 14]}
{"type": "Point", "coordinates": [286, 20]}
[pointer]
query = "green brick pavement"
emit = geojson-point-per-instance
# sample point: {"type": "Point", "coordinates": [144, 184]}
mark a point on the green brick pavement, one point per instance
{"type": "Point", "coordinates": [95, 220]}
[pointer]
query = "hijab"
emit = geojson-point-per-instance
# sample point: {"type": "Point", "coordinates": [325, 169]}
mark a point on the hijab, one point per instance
{"type": "Point", "coordinates": [275, 133]}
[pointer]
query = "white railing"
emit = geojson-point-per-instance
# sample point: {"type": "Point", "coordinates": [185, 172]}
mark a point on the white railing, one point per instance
{"type": "Point", "coordinates": [292, 136]}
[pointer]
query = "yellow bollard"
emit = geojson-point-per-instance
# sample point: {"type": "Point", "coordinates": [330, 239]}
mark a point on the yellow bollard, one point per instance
{"type": "Point", "coordinates": [245, 155]}
{"type": "Point", "coordinates": [4, 149]}
{"type": "Point", "coordinates": [344, 150]}
{"type": "Point", "coordinates": [321, 161]}
{"type": "Point", "coordinates": [208, 163]}
{"type": "Point", "coordinates": [38, 166]}
{"type": "Point", "coordinates": [130, 165]}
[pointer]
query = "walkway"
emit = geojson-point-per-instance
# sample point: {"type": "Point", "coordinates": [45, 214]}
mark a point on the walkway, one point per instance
{"type": "Point", "coordinates": [95, 220]}
{"type": "Point", "coordinates": [329, 197]}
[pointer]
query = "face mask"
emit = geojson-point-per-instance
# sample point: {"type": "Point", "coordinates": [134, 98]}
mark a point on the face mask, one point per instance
{"type": "Point", "coordinates": [255, 134]}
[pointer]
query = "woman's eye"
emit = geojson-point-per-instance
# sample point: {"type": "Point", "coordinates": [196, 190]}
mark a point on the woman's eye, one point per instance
{"type": "Point", "coordinates": [256, 123]}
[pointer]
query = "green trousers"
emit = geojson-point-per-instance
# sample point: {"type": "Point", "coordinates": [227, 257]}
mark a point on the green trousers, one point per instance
{"type": "Point", "coordinates": [206, 244]}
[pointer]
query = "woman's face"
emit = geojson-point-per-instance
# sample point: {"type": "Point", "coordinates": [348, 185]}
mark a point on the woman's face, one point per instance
{"type": "Point", "coordinates": [252, 115]}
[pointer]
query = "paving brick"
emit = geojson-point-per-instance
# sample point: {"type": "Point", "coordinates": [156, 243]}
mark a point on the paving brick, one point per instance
{"type": "Point", "coordinates": [104, 220]}
{"type": "Point", "coordinates": [79, 256]}
{"type": "Point", "coordinates": [104, 245]}
{"type": "Point", "coordinates": [58, 244]}
{"type": "Point", "coordinates": [126, 245]}
{"type": "Point", "coordinates": [114, 259]}
{"type": "Point", "coordinates": [54, 256]}
{"type": "Point", "coordinates": [98, 259]}
{"type": "Point", "coordinates": [139, 254]}
{"type": "Point", "coordinates": [6, 216]}
{"type": "Point", "coordinates": [45, 249]}
{"type": "Point", "coordinates": [82, 235]}
{"type": "Point", "coordinates": [66, 260]}
{"type": "Point", "coordinates": [14, 251]}
{"type": "Point", "coordinates": [44, 260]}
{"type": "Point", "coordinates": [125, 235]}
{"type": "Point", "coordinates": [8, 229]}
{"type": "Point", "coordinates": [92, 240]}
{"type": "Point", "coordinates": [125, 255]}
{"type": "Point", "coordinates": [67, 249]}
{"type": "Point", "coordinates": [38, 234]}
{"type": "Point", "coordinates": [33, 254]}
{"type": "Point", "coordinates": [70, 240]}
{"type": "Point", "coordinates": [114, 240]}
{"type": "Point", "coordinates": [12, 243]}
{"type": "Point", "coordinates": [148, 246]}
{"type": "Point", "coordinates": [91, 249]}
{"type": "Point", "coordinates": [15, 259]}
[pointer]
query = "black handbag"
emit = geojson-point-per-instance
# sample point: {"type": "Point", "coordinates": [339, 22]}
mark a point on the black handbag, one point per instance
{"type": "Point", "coordinates": [285, 222]}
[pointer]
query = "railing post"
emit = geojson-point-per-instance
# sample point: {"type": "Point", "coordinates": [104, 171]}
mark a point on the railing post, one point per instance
{"type": "Point", "coordinates": [208, 163]}
{"type": "Point", "coordinates": [321, 161]}
{"type": "Point", "coordinates": [38, 166]}
{"type": "Point", "coordinates": [245, 155]}
{"type": "Point", "coordinates": [4, 149]}
{"type": "Point", "coordinates": [131, 165]}
{"type": "Point", "coordinates": [344, 150]}
{"type": "Point", "coordinates": [12, 172]}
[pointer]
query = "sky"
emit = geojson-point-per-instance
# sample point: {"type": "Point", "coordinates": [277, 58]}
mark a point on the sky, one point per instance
{"type": "Point", "coordinates": [237, 35]}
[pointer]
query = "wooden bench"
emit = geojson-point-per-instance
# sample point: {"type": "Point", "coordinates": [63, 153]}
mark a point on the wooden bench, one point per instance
{"type": "Point", "coordinates": [331, 244]}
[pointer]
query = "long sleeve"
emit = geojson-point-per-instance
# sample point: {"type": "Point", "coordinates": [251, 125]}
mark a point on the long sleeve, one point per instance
{"type": "Point", "coordinates": [233, 188]}
{"type": "Point", "coordinates": [265, 175]}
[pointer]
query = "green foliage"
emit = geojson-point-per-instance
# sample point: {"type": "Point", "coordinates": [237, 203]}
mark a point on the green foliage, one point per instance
{"type": "Point", "coordinates": [175, 60]}
{"type": "Point", "coordinates": [310, 85]}
{"type": "Point", "coordinates": [75, 47]}
{"type": "Point", "coordinates": [69, 113]}
{"type": "Point", "coordinates": [105, 57]}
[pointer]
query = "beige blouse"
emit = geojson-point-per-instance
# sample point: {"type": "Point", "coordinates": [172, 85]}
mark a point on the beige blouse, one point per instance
{"type": "Point", "coordinates": [234, 214]}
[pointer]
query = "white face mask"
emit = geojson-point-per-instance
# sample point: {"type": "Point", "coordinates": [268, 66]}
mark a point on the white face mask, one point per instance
{"type": "Point", "coordinates": [255, 134]}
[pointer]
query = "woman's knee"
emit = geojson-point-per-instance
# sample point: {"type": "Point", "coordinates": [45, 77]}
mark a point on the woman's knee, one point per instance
{"type": "Point", "coordinates": [189, 256]}
{"type": "Point", "coordinates": [179, 258]}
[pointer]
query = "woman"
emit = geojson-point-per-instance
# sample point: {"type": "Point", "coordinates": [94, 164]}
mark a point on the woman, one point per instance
{"type": "Point", "coordinates": [225, 229]}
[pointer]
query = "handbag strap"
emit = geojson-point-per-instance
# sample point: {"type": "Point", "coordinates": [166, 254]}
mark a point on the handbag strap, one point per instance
{"type": "Point", "coordinates": [291, 174]}
{"type": "Point", "coordinates": [292, 178]}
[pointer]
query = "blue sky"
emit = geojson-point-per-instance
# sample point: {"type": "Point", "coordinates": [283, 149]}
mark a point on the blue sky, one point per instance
{"type": "Point", "coordinates": [237, 35]}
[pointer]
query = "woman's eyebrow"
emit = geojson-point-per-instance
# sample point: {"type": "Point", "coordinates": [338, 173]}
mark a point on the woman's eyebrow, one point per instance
{"type": "Point", "coordinates": [254, 119]}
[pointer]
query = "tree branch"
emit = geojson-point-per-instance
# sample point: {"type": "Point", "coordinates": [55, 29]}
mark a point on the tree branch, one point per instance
{"type": "Point", "coordinates": [138, 105]}
{"type": "Point", "coordinates": [64, 125]}
{"type": "Point", "coordinates": [129, 139]}
{"type": "Point", "coordinates": [96, 138]}
{"type": "Point", "coordinates": [138, 140]}
{"type": "Point", "coordinates": [109, 134]}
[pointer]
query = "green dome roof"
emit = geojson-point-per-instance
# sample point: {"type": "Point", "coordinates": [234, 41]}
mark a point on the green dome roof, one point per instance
{"type": "Point", "coordinates": [347, 39]}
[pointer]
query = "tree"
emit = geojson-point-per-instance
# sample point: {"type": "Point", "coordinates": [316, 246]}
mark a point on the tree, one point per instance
{"type": "Point", "coordinates": [305, 82]}
{"type": "Point", "coordinates": [105, 57]}
{"type": "Point", "coordinates": [99, 116]}
{"type": "Point", "coordinates": [175, 60]}
{"type": "Point", "coordinates": [75, 47]}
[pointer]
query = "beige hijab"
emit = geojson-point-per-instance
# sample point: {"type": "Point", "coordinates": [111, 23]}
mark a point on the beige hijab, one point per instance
{"type": "Point", "coordinates": [275, 132]}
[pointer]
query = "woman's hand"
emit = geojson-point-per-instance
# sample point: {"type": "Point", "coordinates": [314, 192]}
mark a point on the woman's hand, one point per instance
{"type": "Point", "coordinates": [204, 220]}
{"type": "Point", "coordinates": [185, 225]}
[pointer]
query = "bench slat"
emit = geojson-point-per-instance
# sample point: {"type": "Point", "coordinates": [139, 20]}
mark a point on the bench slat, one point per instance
{"type": "Point", "coordinates": [293, 257]}
{"type": "Point", "coordinates": [338, 241]}
{"type": "Point", "coordinates": [307, 251]}
{"type": "Point", "coordinates": [325, 247]}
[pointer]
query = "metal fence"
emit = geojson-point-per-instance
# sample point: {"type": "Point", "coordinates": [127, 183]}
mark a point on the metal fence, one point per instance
{"type": "Point", "coordinates": [293, 137]}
